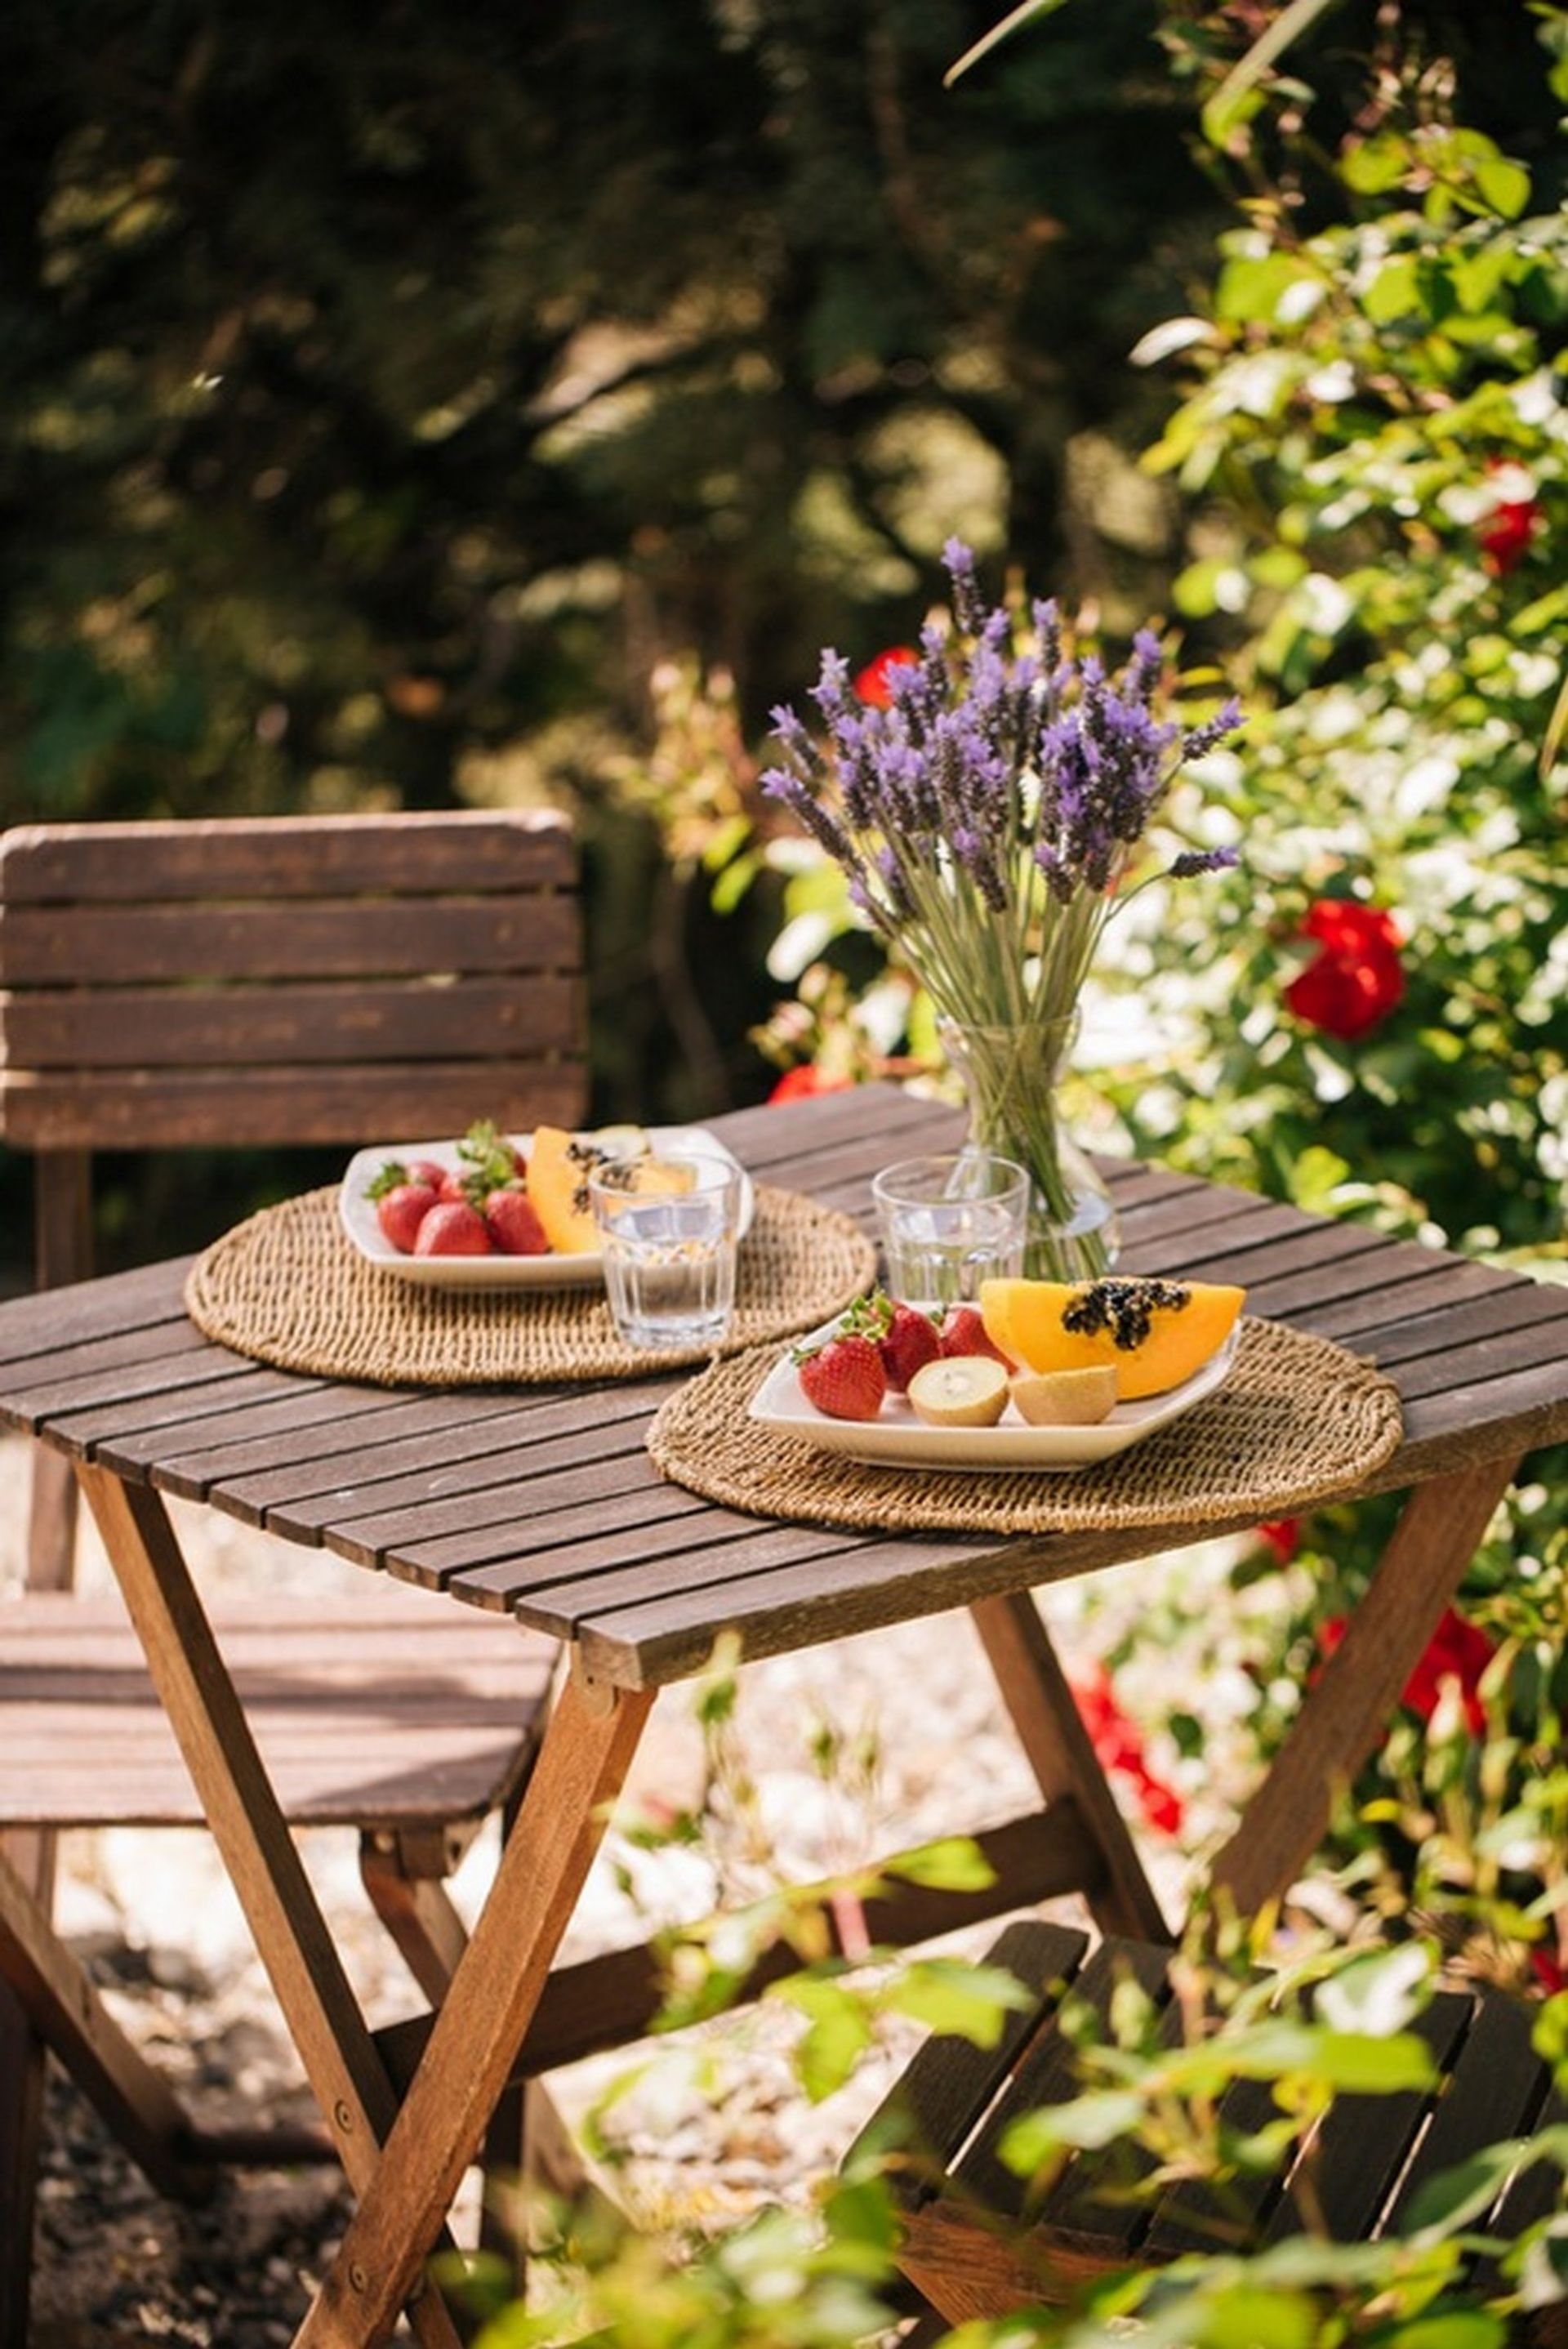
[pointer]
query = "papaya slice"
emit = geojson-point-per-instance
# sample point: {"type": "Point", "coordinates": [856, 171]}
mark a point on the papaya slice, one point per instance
{"type": "Point", "coordinates": [559, 1164]}
{"type": "Point", "coordinates": [1152, 1333]}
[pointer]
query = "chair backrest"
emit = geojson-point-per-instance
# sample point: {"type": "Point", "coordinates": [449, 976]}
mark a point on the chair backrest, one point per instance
{"type": "Point", "coordinates": [360, 976]}
{"type": "Point", "coordinates": [273, 982]}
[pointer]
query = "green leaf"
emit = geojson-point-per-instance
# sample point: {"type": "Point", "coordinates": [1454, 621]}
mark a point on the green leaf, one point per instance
{"type": "Point", "coordinates": [964, 2001]}
{"type": "Point", "coordinates": [950, 1864]}
{"type": "Point", "coordinates": [1395, 292]}
{"type": "Point", "coordinates": [1457, 2195]}
{"type": "Point", "coordinates": [1087, 2124]}
{"type": "Point", "coordinates": [1457, 2328]}
{"type": "Point", "coordinates": [1245, 2316]}
{"type": "Point", "coordinates": [1377, 164]}
{"type": "Point", "coordinates": [1505, 185]}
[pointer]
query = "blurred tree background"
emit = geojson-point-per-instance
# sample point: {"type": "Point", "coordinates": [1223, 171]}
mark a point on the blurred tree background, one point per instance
{"type": "Point", "coordinates": [390, 395]}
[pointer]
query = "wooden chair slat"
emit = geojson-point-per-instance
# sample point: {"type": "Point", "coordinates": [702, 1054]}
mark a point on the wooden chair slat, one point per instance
{"type": "Point", "coordinates": [266, 856]}
{"type": "Point", "coordinates": [1496, 2089]}
{"type": "Point", "coordinates": [500, 1444]}
{"type": "Point", "coordinates": [1350, 2168]}
{"type": "Point", "coordinates": [348, 937]}
{"type": "Point", "coordinates": [293, 1025]}
{"type": "Point", "coordinates": [1051, 2073]}
{"type": "Point", "coordinates": [950, 2082]}
{"type": "Point", "coordinates": [203, 1108]}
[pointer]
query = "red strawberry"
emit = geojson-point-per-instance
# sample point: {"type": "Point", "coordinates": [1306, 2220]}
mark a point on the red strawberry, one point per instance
{"type": "Point", "coordinates": [844, 1378]}
{"type": "Point", "coordinates": [453, 1186]}
{"type": "Point", "coordinates": [428, 1171]}
{"type": "Point", "coordinates": [453, 1228]}
{"type": "Point", "coordinates": [401, 1211]}
{"type": "Point", "coordinates": [514, 1224]}
{"type": "Point", "coordinates": [964, 1333]}
{"type": "Point", "coordinates": [908, 1343]}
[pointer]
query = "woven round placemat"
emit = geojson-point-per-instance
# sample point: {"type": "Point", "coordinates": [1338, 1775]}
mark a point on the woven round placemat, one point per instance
{"type": "Point", "coordinates": [1298, 1419]}
{"type": "Point", "coordinates": [289, 1287]}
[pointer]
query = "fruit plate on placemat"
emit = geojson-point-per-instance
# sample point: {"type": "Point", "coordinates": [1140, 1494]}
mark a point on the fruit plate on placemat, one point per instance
{"type": "Point", "coordinates": [896, 1438]}
{"type": "Point", "coordinates": [585, 1269]}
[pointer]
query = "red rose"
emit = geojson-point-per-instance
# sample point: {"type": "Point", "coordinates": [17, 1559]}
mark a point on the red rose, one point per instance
{"type": "Point", "coordinates": [1457, 1650]}
{"type": "Point", "coordinates": [804, 1083]}
{"type": "Point", "coordinates": [871, 684]}
{"type": "Point", "coordinates": [1119, 1746]}
{"type": "Point", "coordinates": [1282, 1535]}
{"type": "Point", "coordinates": [1506, 534]}
{"type": "Point", "coordinates": [1356, 979]}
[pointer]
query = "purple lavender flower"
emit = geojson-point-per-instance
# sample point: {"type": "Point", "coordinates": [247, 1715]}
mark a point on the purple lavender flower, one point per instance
{"type": "Point", "coordinates": [986, 815]}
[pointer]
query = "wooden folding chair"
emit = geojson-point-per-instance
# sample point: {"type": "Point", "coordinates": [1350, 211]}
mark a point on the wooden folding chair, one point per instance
{"type": "Point", "coordinates": [276, 982]}
{"type": "Point", "coordinates": [977, 2242]}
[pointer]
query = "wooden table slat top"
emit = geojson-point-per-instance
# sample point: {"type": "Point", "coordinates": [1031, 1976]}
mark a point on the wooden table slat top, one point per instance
{"type": "Point", "coordinates": [541, 1501]}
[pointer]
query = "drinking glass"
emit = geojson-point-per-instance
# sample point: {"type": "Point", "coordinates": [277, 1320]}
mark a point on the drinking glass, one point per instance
{"type": "Point", "coordinates": [948, 1223]}
{"type": "Point", "coordinates": [669, 1228]}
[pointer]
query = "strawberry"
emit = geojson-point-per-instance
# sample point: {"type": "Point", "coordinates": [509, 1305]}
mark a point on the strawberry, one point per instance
{"type": "Point", "coordinates": [428, 1171]}
{"type": "Point", "coordinates": [910, 1342]}
{"type": "Point", "coordinates": [964, 1333]}
{"type": "Point", "coordinates": [512, 1220]}
{"type": "Point", "coordinates": [453, 1228]}
{"type": "Point", "coordinates": [843, 1377]}
{"type": "Point", "coordinates": [453, 1187]}
{"type": "Point", "coordinates": [400, 1212]}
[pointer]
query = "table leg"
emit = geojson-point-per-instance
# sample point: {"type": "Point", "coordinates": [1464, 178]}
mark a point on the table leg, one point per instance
{"type": "Point", "coordinates": [1050, 1729]}
{"type": "Point", "coordinates": [1350, 1704]}
{"type": "Point", "coordinates": [477, 2029]}
{"type": "Point", "coordinates": [291, 1934]}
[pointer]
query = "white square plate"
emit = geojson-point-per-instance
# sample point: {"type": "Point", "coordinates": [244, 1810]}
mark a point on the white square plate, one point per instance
{"type": "Point", "coordinates": [897, 1439]}
{"type": "Point", "coordinates": [356, 1210]}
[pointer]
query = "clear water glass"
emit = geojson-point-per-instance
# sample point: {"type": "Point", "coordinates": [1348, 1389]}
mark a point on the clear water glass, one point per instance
{"type": "Point", "coordinates": [948, 1223]}
{"type": "Point", "coordinates": [668, 1231]}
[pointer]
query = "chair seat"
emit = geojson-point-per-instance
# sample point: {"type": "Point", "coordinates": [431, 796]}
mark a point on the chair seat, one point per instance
{"type": "Point", "coordinates": [975, 2244]}
{"type": "Point", "coordinates": [386, 1709]}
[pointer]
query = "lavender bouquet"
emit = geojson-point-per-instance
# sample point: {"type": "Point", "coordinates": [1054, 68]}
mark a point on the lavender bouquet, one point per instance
{"type": "Point", "coordinates": [987, 819]}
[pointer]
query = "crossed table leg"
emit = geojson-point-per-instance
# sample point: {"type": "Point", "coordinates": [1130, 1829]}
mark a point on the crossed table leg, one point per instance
{"type": "Point", "coordinates": [405, 2161]}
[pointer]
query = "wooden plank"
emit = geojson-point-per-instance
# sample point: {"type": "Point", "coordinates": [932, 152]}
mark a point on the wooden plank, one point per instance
{"type": "Point", "coordinates": [287, 856]}
{"type": "Point", "coordinates": [343, 937]}
{"type": "Point", "coordinates": [779, 1139]}
{"type": "Point", "coordinates": [1497, 2085]}
{"type": "Point", "coordinates": [466, 1451]}
{"type": "Point", "coordinates": [1470, 1425]}
{"type": "Point", "coordinates": [366, 1422]}
{"type": "Point", "coordinates": [191, 1108]}
{"type": "Point", "coordinates": [528, 1017]}
{"type": "Point", "coordinates": [1538, 1344]}
{"type": "Point", "coordinates": [484, 1567]}
{"type": "Point", "coordinates": [365, 1538]}
{"type": "Point", "coordinates": [1052, 2073]}
{"type": "Point", "coordinates": [94, 1309]}
{"type": "Point", "coordinates": [1395, 1289]}
{"type": "Point", "coordinates": [227, 1394]}
{"type": "Point", "coordinates": [1346, 2175]}
{"type": "Point", "coordinates": [949, 2082]}
{"type": "Point", "coordinates": [556, 1583]}
{"type": "Point", "coordinates": [166, 1373]}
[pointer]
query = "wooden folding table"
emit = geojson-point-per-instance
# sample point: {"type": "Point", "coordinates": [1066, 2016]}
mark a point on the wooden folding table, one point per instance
{"type": "Point", "coordinates": [548, 1512]}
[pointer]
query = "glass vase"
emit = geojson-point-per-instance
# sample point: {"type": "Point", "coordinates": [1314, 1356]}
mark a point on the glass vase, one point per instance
{"type": "Point", "coordinates": [1012, 1076]}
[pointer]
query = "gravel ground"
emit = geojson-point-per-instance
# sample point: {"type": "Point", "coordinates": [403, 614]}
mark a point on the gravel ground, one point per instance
{"type": "Point", "coordinates": [153, 1918]}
